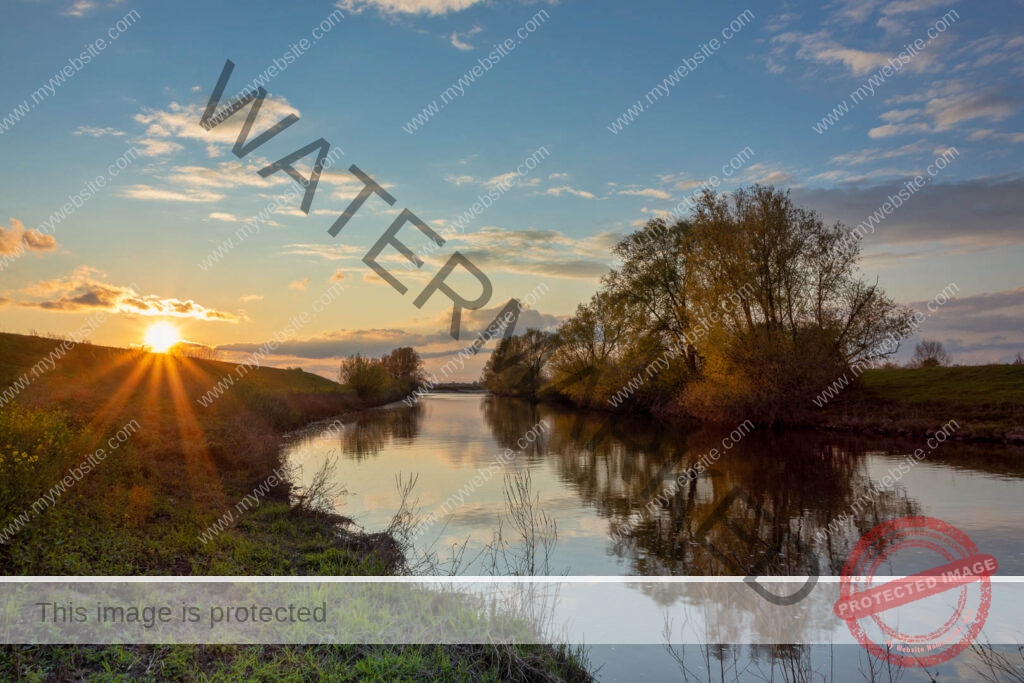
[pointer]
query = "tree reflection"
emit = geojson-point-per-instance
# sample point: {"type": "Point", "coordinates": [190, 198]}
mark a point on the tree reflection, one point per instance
{"type": "Point", "coordinates": [372, 430]}
{"type": "Point", "coordinates": [794, 485]}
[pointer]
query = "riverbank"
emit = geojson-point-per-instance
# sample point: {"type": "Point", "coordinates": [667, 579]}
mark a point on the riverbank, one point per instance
{"type": "Point", "coordinates": [986, 401]}
{"type": "Point", "coordinates": [171, 468]}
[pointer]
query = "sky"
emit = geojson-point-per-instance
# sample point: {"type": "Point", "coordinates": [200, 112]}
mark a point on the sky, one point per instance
{"type": "Point", "coordinates": [597, 117]}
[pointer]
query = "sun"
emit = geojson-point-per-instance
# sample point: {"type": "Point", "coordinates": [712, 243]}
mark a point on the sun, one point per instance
{"type": "Point", "coordinates": [162, 336]}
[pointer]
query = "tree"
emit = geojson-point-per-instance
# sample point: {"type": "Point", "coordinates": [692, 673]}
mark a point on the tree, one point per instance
{"type": "Point", "coordinates": [365, 375]}
{"type": "Point", "coordinates": [1019, 359]}
{"type": "Point", "coordinates": [748, 309]}
{"type": "Point", "coordinates": [517, 367]}
{"type": "Point", "coordinates": [597, 338]}
{"type": "Point", "coordinates": [405, 367]}
{"type": "Point", "coordinates": [654, 282]}
{"type": "Point", "coordinates": [795, 313]}
{"type": "Point", "coordinates": [930, 354]}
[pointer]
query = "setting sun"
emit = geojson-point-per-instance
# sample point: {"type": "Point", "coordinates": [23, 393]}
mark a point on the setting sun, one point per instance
{"type": "Point", "coordinates": [162, 336]}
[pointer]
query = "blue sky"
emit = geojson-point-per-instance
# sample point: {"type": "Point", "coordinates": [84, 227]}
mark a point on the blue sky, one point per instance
{"type": "Point", "coordinates": [573, 71]}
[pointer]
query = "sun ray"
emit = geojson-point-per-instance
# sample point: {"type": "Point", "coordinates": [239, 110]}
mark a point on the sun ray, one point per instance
{"type": "Point", "coordinates": [204, 477]}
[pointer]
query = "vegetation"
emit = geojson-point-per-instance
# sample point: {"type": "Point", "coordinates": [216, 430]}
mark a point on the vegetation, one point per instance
{"type": "Point", "coordinates": [398, 372]}
{"type": "Point", "coordinates": [986, 400]}
{"type": "Point", "coordinates": [142, 509]}
{"type": "Point", "coordinates": [231, 663]}
{"type": "Point", "coordinates": [746, 311]}
{"type": "Point", "coordinates": [930, 354]}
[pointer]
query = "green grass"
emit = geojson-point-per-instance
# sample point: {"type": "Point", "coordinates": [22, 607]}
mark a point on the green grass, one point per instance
{"type": "Point", "coordinates": [986, 401]}
{"type": "Point", "coordinates": [970, 385]}
{"type": "Point", "coordinates": [226, 663]}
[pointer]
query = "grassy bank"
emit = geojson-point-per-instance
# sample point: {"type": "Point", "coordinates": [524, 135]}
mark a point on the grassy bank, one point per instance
{"type": "Point", "coordinates": [171, 468]}
{"type": "Point", "coordinates": [986, 401]}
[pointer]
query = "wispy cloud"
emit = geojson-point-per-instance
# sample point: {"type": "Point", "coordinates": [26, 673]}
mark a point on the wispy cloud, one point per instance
{"type": "Point", "coordinates": [946, 106]}
{"type": "Point", "coordinates": [538, 252]}
{"type": "Point", "coordinates": [221, 216]}
{"type": "Point", "coordinates": [876, 154]}
{"type": "Point", "coordinates": [429, 7]}
{"type": "Point", "coordinates": [647, 192]}
{"type": "Point", "coordinates": [146, 192]}
{"type": "Point", "coordinates": [460, 40]}
{"type": "Point", "coordinates": [97, 132]}
{"type": "Point", "coordinates": [79, 8]}
{"type": "Point", "coordinates": [566, 189]}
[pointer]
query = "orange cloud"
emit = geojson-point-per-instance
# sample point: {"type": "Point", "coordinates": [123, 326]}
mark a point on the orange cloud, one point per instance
{"type": "Point", "coordinates": [84, 290]}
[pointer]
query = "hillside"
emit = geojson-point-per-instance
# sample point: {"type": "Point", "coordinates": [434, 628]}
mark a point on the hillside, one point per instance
{"type": "Point", "coordinates": [179, 469]}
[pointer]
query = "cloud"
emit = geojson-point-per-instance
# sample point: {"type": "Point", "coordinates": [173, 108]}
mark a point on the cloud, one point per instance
{"type": "Point", "coordinates": [970, 215]}
{"type": "Point", "coordinates": [538, 252]}
{"type": "Point", "coordinates": [989, 134]}
{"type": "Point", "coordinates": [874, 175]}
{"type": "Point", "coordinates": [429, 7]}
{"type": "Point", "coordinates": [893, 18]}
{"type": "Point", "coordinates": [889, 130]}
{"type": "Point", "coordinates": [329, 252]}
{"type": "Point", "coordinates": [647, 192]}
{"type": "Point", "coordinates": [181, 122]}
{"type": "Point", "coordinates": [764, 174]}
{"type": "Point", "coordinates": [897, 115]}
{"type": "Point", "coordinates": [79, 9]}
{"type": "Point", "coordinates": [226, 217]}
{"type": "Point", "coordinates": [338, 276]}
{"type": "Point", "coordinates": [301, 285]}
{"type": "Point", "coordinates": [823, 48]}
{"type": "Point", "coordinates": [979, 328]}
{"type": "Point", "coordinates": [460, 180]}
{"type": "Point", "coordinates": [250, 297]}
{"type": "Point", "coordinates": [506, 180]}
{"type": "Point", "coordinates": [857, 10]}
{"type": "Point", "coordinates": [875, 154]}
{"type": "Point", "coordinates": [558, 191]}
{"type": "Point", "coordinates": [17, 237]}
{"type": "Point", "coordinates": [989, 103]}
{"type": "Point", "coordinates": [86, 290]}
{"type": "Point", "coordinates": [149, 193]}
{"type": "Point", "coordinates": [558, 176]}
{"type": "Point", "coordinates": [431, 338]}
{"type": "Point", "coordinates": [97, 132]}
{"type": "Point", "coordinates": [457, 38]}
{"type": "Point", "coordinates": [227, 175]}
{"type": "Point", "coordinates": [157, 148]}
{"type": "Point", "coordinates": [947, 105]}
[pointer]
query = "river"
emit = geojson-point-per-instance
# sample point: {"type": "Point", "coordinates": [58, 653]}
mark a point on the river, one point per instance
{"type": "Point", "coordinates": [809, 496]}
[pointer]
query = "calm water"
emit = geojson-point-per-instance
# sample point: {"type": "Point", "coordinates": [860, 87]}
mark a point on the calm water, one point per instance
{"type": "Point", "coordinates": [799, 481]}
{"type": "Point", "coordinates": [787, 488]}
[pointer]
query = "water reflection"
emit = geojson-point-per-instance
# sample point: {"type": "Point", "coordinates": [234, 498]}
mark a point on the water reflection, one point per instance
{"type": "Point", "coordinates": [794, 484]}
{"type": "Point", "coordinates": [371, 430]}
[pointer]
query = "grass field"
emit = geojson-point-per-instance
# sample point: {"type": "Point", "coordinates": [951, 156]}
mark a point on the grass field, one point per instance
{"type": "Point", "coordinates": [142, 508]}
{"type": "Point", "coordinates": [968, 385]}
{"type": "Point", "coordinates": [987, 401]}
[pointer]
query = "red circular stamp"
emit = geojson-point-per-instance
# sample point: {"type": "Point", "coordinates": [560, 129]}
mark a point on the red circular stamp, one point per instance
{"type": "Point", "coordinates": [952, 571]}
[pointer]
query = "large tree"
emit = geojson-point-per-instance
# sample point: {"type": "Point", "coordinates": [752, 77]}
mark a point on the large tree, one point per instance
{"type": "Point", "coordinates": [746, 310]}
